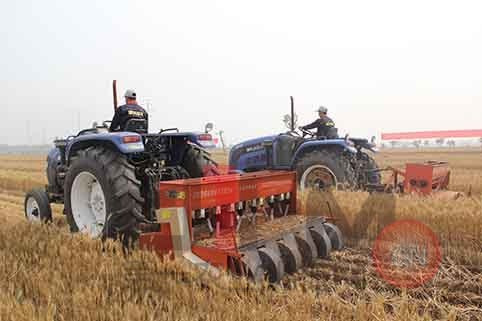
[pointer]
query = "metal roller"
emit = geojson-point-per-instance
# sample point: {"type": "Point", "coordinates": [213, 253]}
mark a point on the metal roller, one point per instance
{"type": "Point", "coordinates": [335, 236]}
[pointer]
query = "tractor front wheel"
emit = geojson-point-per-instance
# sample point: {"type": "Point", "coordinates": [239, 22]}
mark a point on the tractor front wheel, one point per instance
{"type": "Point", "coordinates": [102, 195]}
{"type": "Point", "coordinates": [37, 206]}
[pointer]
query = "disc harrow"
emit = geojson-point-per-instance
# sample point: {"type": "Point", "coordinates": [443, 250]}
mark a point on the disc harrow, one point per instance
{"type": "Point", "coordinates": [246, 224]}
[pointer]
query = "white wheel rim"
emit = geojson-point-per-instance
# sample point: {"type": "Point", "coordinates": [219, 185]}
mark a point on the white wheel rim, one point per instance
{"type": "Point", "coordinates": [32, 210]}
{"type": "Point", "coordinates": [88, 204]}
{"type": "Point", "coordinates": [314, 175]}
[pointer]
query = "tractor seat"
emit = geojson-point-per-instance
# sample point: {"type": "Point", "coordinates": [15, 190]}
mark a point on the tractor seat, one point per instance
{"type": "Point", "coordinates": [136, 125]}
{"type": "Point", "coordinates": [359, 141]}
{"type": "Point", "coordinates": [363, 143]}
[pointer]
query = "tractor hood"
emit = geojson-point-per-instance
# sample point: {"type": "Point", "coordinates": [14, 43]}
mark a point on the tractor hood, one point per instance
{"type": "Point", "coordinates": [254, 142]}
{"type": "Point", "coordinates": [250, 154]}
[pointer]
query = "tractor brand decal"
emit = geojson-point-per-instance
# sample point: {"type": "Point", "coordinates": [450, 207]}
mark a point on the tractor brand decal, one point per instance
{"type": "Point", "coordinates": [209, 193]}
{"type": "Point", "coordinates": [254, 148]}
{"type": "Point", "coordinates": [275, 184]}
{"type": "Point", "coordinates": [176, 195]}
{"type": "Point", "coordinates": [248, 187]}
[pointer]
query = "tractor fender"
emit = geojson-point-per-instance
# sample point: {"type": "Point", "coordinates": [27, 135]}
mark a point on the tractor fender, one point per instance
{"type": "Point", "coordinates": [331, 144]}
{"type": "Point", "coordinates": [113, 141]}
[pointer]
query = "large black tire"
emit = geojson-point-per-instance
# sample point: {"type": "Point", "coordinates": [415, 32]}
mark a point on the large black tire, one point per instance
{"type": "Point", "coordinates": [369, 174]}
{"type": "Point", "coordinates": [198, 162]}
{"type": "Point", "coordinates": [339, 166]}
{"type": "Point", "coordinates": [37, 206]}
{"type": "Point", "coordinates": [121, 190]}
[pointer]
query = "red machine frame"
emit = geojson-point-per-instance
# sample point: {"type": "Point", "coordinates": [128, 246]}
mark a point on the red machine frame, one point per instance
{"type": "Point", "coordinates": [214, 192]}
{"type": "Point", "coordinates": [421, 178]}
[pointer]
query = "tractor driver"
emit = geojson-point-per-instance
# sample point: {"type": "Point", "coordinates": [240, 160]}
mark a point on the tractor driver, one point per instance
{"type": "Point", "coordinates": [124, 113]}
{"type": "Point", "coordinates": [325, 126]}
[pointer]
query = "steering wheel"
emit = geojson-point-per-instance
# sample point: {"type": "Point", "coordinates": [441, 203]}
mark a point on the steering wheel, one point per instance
{"type": "Point", "coordinates": [306, 132]}
{"type": "Point", "coordinates": [106, 123]}
{"type": "Point", "coordinates": [293, 133]}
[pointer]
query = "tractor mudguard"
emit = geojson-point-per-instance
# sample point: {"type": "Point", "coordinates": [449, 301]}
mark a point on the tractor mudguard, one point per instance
{"type": "Point", "coordinates": [115, 140]}
{"type": "Point", "coordinates": [54, 160]}
{"type": "Point", "coordinates": [186, 135]}
{"type": "Point", "coordinates": [309, 146]}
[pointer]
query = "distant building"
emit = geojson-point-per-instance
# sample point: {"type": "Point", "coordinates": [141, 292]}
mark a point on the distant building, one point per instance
{"type": "Point", "coordinates": [447, 138]}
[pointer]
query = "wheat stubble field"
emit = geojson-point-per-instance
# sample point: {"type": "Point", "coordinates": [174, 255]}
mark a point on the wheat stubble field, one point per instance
{"type": "Point", "coordinates": [46, 273]}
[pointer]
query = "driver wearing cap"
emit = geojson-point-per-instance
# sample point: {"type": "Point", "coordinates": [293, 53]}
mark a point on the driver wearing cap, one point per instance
{"type": "Point", "coordinates": [124, 113]}
{"type": "Point", "coordinates": [325, 126]}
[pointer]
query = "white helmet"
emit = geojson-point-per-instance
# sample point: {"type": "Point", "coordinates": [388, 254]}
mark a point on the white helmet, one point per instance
{"type": "Point", "coordinates": [130, 93]}
{"type": "Point", "coordinates": [322, 109]}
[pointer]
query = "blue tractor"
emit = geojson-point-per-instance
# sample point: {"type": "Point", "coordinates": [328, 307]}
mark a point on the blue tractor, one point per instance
{"type": "Point", "coordinates": [108, 181]}
{"type": "Point", "coordinates": [320, 162]}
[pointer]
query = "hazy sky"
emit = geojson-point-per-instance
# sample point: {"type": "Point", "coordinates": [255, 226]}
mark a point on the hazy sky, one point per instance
{"type": "Point", "coordinates": [377, 65]}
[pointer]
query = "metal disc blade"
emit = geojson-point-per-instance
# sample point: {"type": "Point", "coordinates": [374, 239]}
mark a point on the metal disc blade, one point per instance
{"type": "Point", "coordinates": [306, 246]}
{"type": "Point", "coordinates": [272, 263]}
{"type": "Point", "coordinates": [322, 241]}
{"type": "Point", "coordinates": [253, 264]}
{"type": "Point", "coordinates": [335, 236]}
{"type": "Point", "coordinates": [290, 253]}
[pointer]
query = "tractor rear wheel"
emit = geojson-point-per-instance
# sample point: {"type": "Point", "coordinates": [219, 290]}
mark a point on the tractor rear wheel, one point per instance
{"type": "Point", "coordinates": [198, 162]}
{"type": "Point", "coordinates": [102, 195]}
{"type": "Point", "coordinates": [322, 170]}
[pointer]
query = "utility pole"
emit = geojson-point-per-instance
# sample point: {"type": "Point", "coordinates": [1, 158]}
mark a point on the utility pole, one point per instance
{"type": "Point", "coordinates": [221, 137]}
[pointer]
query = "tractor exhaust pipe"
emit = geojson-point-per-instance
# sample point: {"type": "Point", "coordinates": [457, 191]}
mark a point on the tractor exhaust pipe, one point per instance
{"type": "Point", "coordinates": [114, 92]}
{"type": "Point", "coordinates": [292, 123]}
